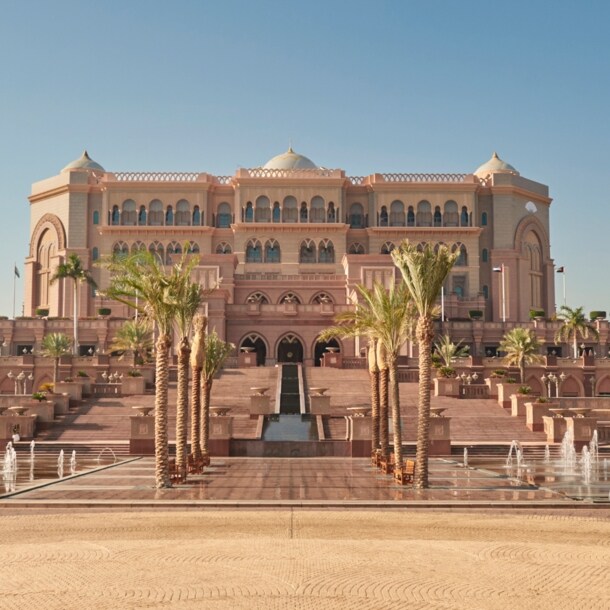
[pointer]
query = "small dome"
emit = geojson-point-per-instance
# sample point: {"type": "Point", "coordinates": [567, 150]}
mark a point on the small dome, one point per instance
{"type": "Point", "coordinates": [495, 166]}
{"type": "Point", "coordinates": [290, 160]}
{"type": "Point", "coordinates": [84, 162]}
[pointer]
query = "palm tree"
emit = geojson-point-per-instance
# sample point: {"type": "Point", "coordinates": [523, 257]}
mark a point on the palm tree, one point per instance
{"type": "Point", "coordinates": [448, 351]}
{"type": "Point", "coordinates": [424, 270]}
{"type": "Point", "coordinates": [197, 359]}
{"type": "Point", "coordinates": [384, 433]}
{"type": "Point", "coordinates": [135, 337]}
{"type": "Point", "coordinates": [189, 298]}
{"type": "Point", "coordinates": [216, 352]}
{"type": "Point", "coordinates": [521, 347]}
{"type": "Point", "coordinates": [140, 281]}
{"type": "Point", "coordinates": [74, 270]}
{"type": "Point", "coordinates": [575, 324]}
{"type": "Point", "coordinates": [55, 345]}
{"type": "Point", "coordinates": [374, 379]}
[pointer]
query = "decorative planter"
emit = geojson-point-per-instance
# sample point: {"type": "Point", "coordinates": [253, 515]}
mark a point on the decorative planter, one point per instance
{"type": "Point", "coordinates": [43, 409]}
{"type": "Point", "coordinates": [535, 411]}
{"type": "Point", "coordinates": [133, 385]}
{"type": "Point", "coordinates": [505, 391]}
{"type": "Point", "coordinates": [517, 403]}
{"type": "Point", "coordinates": [446, 386]}
{"type": "Point", "coordinates": [74, 389]}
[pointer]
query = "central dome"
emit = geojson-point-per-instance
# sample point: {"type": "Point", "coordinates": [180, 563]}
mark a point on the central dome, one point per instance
{"type": "Point", "coordinates": [84, 162]}
{"type": "Point", "coordinates": [290, 160]}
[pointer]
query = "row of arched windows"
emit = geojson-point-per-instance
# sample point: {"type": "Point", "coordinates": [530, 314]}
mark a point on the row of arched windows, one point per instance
{"type": "Point", "coordinates": [167, 254]}
{"type": "Point", "coordinates": [289, 297]}
{"type": "Point", "coordinates": [154, 215]}
{"type": "Point", "coordinates": [289, 211]}
{"type": "Point", "coordinates": [309, 251]}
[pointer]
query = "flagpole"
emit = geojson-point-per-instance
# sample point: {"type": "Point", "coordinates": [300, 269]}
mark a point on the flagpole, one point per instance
{"type": "Point", "coordinates": [14, 287]}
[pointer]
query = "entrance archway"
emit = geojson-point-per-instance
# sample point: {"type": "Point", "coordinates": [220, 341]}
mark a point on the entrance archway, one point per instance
{"type": "Point", "coordinates": [290, 349]}
{"type": "Point", "coordinates": [257, 345]}
{"type": "Point", "coordinates": [321, 348]}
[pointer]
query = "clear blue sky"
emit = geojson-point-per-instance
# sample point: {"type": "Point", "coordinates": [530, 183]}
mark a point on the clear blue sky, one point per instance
{"type": "Point", "coordinates": [365, 86]}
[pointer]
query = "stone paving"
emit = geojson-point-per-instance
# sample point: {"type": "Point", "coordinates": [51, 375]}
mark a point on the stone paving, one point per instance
{"type": "Point", "coordinates": [304, 559]}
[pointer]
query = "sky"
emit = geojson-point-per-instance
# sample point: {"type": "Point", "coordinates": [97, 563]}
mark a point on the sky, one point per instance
{"type": "Point", "coordinates": [384, 86]}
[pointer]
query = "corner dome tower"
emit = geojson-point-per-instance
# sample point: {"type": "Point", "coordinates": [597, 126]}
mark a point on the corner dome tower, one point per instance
{"type": "Point", "coordinates": [84, 162]}
{"type": "Point", "coordinates": [495, 166]}
{"type": "Point", "coordinates": [290, 160]}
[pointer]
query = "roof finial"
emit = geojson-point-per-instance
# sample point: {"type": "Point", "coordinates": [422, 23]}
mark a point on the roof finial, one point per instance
{"type": "Point", "coordinates": [290, 146]}
{"type": "Point", "coordinates": [495, 155]}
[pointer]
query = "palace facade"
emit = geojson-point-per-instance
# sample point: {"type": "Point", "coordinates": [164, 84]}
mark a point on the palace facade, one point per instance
{"type": "Point", "coordinates": [288, 242]}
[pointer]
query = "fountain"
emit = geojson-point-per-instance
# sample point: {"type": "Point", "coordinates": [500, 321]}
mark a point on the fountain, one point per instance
{"type": "Point", "coordinates": [568, 451]}
{"type": "Point", "coordinates": [60, 464]}
{"type": "Point", "coordinates": [594, 448]}
{"type": "Point", "coordinates": [515, 446]}
{"type": "Point", "coordinates": [73, 462]}
{"type": "Point", "coordinates": [99, 457]}
{"type": "Point", "coordinates": [9, 470]}
{"type": "Point", "coordinates": [586, 465]}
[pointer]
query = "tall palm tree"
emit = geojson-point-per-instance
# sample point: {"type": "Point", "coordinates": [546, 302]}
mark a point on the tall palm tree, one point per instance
{"type": "Point", "coordinates": [73, 269]}
{"type": "Point", "coordinates": [424, 270]}
{"type": "Point", "coordinates": [55, 345]}
{"type": "Point", "coordinates": [521, 347]}
{"type": "Point", "coordinates": [197, 359]}
{"type": "Point", "coordinates": [135, 337]}
{"type": "Point", "coordinates": [574, 324]}
{"type": "Point", "coordinates": [384, 375]}
{"type": "Point", "coordinates": [140, 281]}
{"type": "Point", "coordinates": [374, 380]}
{"type": "Point", "coordinates": [189, 298]}
{"type": "Point", "coordinates": [216, 352]}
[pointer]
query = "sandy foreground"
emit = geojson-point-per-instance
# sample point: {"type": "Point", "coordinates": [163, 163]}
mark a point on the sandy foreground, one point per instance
{"type": "Point", "coordinates": [305, 559]}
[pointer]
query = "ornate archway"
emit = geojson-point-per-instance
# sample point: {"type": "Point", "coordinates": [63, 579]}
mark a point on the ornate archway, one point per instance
{"type": "Point", "coordinates": [255, 343]}
{"type": "Point", "coordinates": [290, 349]}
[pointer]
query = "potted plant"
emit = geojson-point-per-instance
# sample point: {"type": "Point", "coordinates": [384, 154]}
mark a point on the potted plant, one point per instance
{"type": "Point", "coordinates": [495, 377]}
{"type": "Point", "coordinates": [537, 314]}
{"type": "Point", "coordinates": [518, 400]}
{"type": "Point", "coordinates": [475, 314]}
{"type": "Point", "coordinates": [536, 410]}
{"type": "Point", "coordinates": [133, 383]}
{"type": "Point", "coordinates": [39, 396]}
{"type": "Point", "coordinates": [83, 378]}
{"type": "Point", "coordinates": [42, 312]}
{"type": "Point", "coordinates": [104, 311]}
{"type": "Point", "coordinates": [597, 315]}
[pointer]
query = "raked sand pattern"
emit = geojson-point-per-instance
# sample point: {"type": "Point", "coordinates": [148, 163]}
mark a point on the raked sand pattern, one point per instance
{"type": "Point", "coordinates": [304, 559]}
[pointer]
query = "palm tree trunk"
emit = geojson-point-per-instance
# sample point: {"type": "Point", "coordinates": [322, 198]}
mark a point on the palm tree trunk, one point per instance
{"type": "Point", "coordinates": [374, 378]}
{"type": "Point", "coordinates": [575, 345]}
{"type": "Point", "coordinates": [55, 371]}
{"type": "Point", "coordinates": [162, 374]}
{"type": "Point", "coordinates": [522, 370]}
{"type": "Point", "coordinates": [382, 363]}
{"type": "Point", "coordinates": [75, 346]}
{"type": "Point", "coordinates": [206, 391]}
{"type": "Point", "coordinates": [196, 412]}
{"type": "Point", "coordinates": [395, 402]}
{"type": "Point", "coordinates": [182, 403]}
{"type": "Point", "coordinates": [425, 334]}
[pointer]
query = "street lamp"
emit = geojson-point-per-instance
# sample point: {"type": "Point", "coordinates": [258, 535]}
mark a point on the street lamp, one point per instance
{"type": "Point", "coordinates": [562, 270]}
{"type": "Point", "coordinates": [500, 270]}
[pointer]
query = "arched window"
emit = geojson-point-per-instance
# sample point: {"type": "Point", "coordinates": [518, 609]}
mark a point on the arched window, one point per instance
{"type": "Point", "coordinates": [96, 217]}
{"type": "Point", "coordinates": [45, 252]}
{"type": "Point", "coordinates": [258, 297]}
{"type": "Point", "coordinates": [397, 214]}
{"type": "Point", "coordinates": [462, 260]}
{"type": "Point", "coordinates": [383, 216]}
{"type": "Point", "coordinates": [128, 214]}
{"type": "Point", "coordinates": [420, 246]}
{"type": "Point", "coordinates": [387, 247]}
{"type": "Point", "coordinates": [95, 254]}
{"type": "Point", "coordinates": [223, 248]}
{"type": "Point", "coordinates": [155, 215]}
{"type": "Point", "coordinates": [290, 297]}
{"type": "Point", "coordinates": [356, 216]}
{"type": "Point", "coordinates": [289, 209]}
{"type": "Point", "coordinates": [224, 216]}
{"type": "Point", "coordinates": [356, 248]}
{"type": "Point", "coordinates": [272, 251]}
{"type": "Point", "coordinates": [169, 216]}
{"type": "Point", "coordinates": [174, 250]}
{"type": "Point", "coordinates": [263, 210]}
{"type": "Point", "coordinates": [326, 251]}
{"type": "Point", "coordinates": [115, 216]}
{"type": "Point", "coordinates": [484, 255]}
{"type": "Point", "coordinates": [318, 210]}
{"type": "Point", "coordinates": [142, 215]}
{"type": "Point", "coordinates": [249, 212]}
{"type": "Point", "coordinates": [464, 217]}
{"type": "Point", "coordinates": [533, 251]}
{"type": "Point", "coordinates": [254, 251]}
{"type": "Point", "coordinates": [307, 252]}
{"type": "Point", "coordinates": [438, 218]}
{"type": "Point", "coordinates": [322, 297]}
{"type": "Point", "coordinates": [138, 246]}
{"type": "Point", "coordinates": [120, 248]}
{"type": "Point", "coordinates": [156, 249]}
{"type": "Point", "coordinates": [410, 217]}
{"type": "Point", "coordinates": [183, 213]}
{"type": "Point", "coordinates": [303, 212]}
{"type": "Point", "coordinates": [277, 212]}
{"type": "Point", "coordinates": [331, 212]}
{"type": "Point", "coordinates": [484, 219]}
{"type": "Point", "coordinates": [196, 216]}
{"type": "Point", "coordinates": [450, 216]}
{"type": "Point", "coordinates": [485, 292]}
{"type": "Point", "coordinates": [192, 248]}
{"type": "Point", "coordinates": [424, 214]}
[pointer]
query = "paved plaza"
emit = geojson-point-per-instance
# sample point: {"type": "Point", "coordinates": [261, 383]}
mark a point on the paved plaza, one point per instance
{"type": "Point", "coordinates": [298, 558]}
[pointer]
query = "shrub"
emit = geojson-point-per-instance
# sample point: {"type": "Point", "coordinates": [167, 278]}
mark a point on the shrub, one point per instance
{"type": "Point", "coordinates": [39, 396]}
{"type": "Point", "coordinates": [594, 315]}
{"type": "Point", "coordinates": [134, 374]}
{"type": "Point", "coordinates": [510, 380]}
{"type": "Point", "coordinates": [446, 372]}
{"type": "Point", "coordinates": [536, 313]}
{"type": "Point", "coordinates": [104, 311]}
{"type": "Point", "coordinates": [42, 312]}
{"type": "Point", "coordinates": [498, 373]}
{"type": "Point", "coordinates": [542, 399]}
{"type": "Point", "coordinates": [475, 314]}
{"type": "Point", "coordinates": [82, 374]}
{"type": "Point", "coordinates": [524, 389]}
{"type": "Point", "coordinates": [46, 387]}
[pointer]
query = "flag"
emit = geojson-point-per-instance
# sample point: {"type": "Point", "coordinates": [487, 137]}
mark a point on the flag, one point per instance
{"type": "Point", "coordinates": [560, 270]}
{"type": "Point", "coordinates": [17, 271]}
